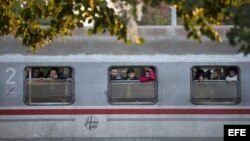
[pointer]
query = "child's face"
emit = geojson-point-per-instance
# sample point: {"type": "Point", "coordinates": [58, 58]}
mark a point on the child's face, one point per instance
{"type": "Point", "coordinates": [131, 75]}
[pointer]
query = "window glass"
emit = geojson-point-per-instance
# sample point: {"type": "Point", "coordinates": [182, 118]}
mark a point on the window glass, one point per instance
{"type": "Point", "coordinates": [215, 85]}
{"type": "Point", "coordinates": [48, 85]}
{"type": "Point", "coordinates": [129, 84]}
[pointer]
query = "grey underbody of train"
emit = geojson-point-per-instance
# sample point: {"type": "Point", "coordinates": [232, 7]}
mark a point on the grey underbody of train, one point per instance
{"type": "Point", "coordinates": [166, 48]}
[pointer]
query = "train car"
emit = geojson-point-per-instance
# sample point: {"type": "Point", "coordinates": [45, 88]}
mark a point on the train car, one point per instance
{"type": "Point", "coordinates": [79, 88]}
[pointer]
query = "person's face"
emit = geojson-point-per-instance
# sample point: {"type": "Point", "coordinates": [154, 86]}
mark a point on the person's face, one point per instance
{"type": "Point", "coordinates": [201, 78]}
{"type": "Point", "coordinates": [131, 75]}
{"type": "Point", "coordinates": [231, 73]}
{"type": "Point", "coordinates": [36, 73]}
{"type": "Point", "coordinates": [216, 75]}
{"type": "Point", "coordinates": [53, 74]}
{"type": "Point", "coordinates": [114, 72]}
{"type": "Point", "coordinates": [147, 74]}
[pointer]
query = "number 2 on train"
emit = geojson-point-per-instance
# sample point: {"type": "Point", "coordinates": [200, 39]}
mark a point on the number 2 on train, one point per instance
{"type": "Point", "coordinates": [11, 76]}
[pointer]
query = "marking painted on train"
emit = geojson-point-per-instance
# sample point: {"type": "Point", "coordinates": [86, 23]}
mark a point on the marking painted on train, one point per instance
{"type": "Point", "coordinates": [124, 111]}
{"type": "Point", "coordinates": [9, 81]}
{"type": "Point", "coordinates": [38, 120]}
{"type": "Point", "coordinates": [10, 90]}
{"type": "Point", "coordinates": [91, 123]}
{"type": "Point", "coordinates": [176, 119]}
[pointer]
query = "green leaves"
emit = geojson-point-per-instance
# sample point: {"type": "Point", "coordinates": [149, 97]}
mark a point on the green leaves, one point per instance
{"type": "Point", "coordinates": [39, 22]}
{"type": "Point", "coordinates": [240, 33]}
{"type": "Point", "coordinates": [8, 21]}
{"type": "Point", "coordinates": [26, 19]}
{"type": "Point", "coordinates": [200, 17]}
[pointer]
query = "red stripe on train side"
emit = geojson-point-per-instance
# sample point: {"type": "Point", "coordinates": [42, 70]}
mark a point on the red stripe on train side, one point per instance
{"type": "Point", "coordinates": [121, 111]}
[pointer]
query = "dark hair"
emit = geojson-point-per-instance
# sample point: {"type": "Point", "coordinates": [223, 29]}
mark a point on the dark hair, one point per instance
{"type": "Point", "coordinates": [130, 70]}
{"type": "Point", "coordinates": [144, 70]}
{"type": "Point", "coordinates": [39, 71]}
{"type": "Point", "coordinates": [113, 68]}
{"type": "Point", "coordinates": [208, 74]}
{"type": "Point", "coordinates": [199, 73]}
{"type": "Point", "coordinates": [232, 69]}
{"type": "Point", "coordinates": [217, 70]}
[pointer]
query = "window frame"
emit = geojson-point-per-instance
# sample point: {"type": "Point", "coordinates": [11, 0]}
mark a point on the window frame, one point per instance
{"type": "Point", "coordinates": [214, 102]}
{"type": "Point", "coordinates": [109, 98]}
{"type": "Point", "coordinates": [25, 93]}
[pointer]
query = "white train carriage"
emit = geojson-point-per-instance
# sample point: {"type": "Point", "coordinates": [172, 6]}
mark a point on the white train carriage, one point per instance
{"type": "Point", "coordinates": [84, 104]}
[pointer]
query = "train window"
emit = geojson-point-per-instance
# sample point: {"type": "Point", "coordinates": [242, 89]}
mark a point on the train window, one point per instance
{"type": "Point", "coordinates": [132, 85]}
{"type": "Point", "coordinates": [48, 85]}
{"type": "Point", "coordinates": [215, 85]}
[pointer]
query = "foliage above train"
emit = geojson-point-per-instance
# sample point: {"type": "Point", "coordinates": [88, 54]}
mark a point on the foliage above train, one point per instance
{"type": "Point", "coordinates": [25, 19]}
{"type": "Point", "coordinates": [159, 40]}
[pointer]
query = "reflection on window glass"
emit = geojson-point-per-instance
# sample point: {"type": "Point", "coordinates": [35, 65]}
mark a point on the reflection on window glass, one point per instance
{"type": "Point", "coordinates": [215, 85]}
{"type": "Point", "coordinates": [48, 85]}
{"type": "Point", "coordinates": [135, 85]}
